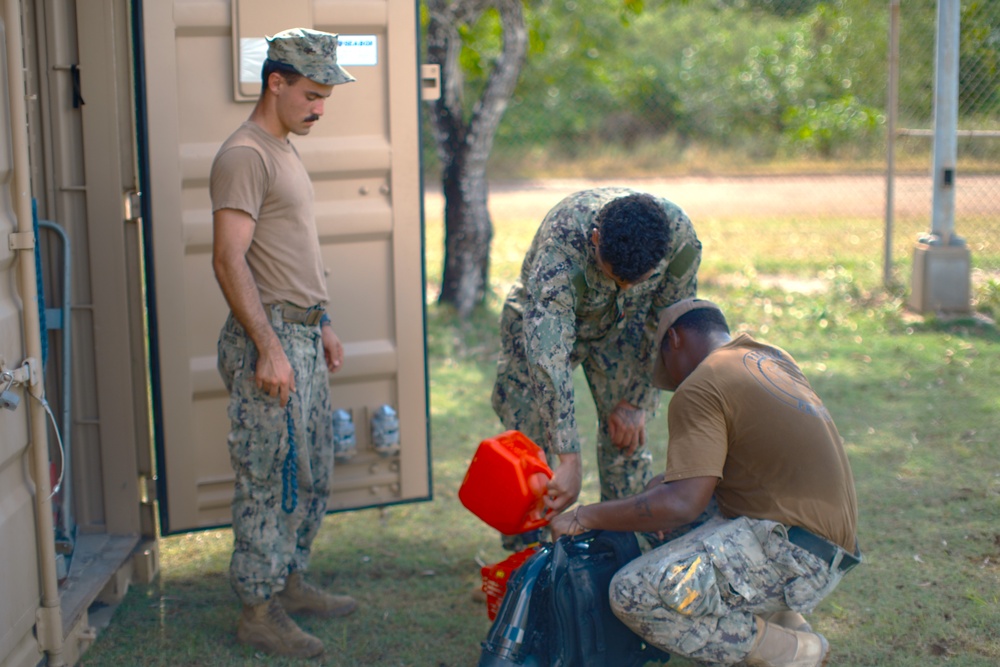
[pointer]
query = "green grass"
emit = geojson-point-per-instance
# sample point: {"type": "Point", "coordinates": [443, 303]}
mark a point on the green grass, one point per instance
{"type": "Point", "coordinates": [915, 400]}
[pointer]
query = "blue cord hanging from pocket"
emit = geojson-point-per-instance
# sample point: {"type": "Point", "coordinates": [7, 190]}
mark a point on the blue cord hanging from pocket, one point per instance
{"type": "Point", "coordinates": [290, 468]}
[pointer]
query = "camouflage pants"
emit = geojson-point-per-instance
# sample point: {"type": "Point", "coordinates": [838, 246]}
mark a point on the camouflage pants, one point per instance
{"type": "Point", "coordinates": [279, 500]}
{"type": "Point", "coordinates": [516, 404]}
{"type": "Point", "coordinates": [697, 595]}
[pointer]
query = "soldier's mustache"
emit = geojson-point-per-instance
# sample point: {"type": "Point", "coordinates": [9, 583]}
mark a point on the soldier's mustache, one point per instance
{"type": "Point", "coordinates": [312, 117]}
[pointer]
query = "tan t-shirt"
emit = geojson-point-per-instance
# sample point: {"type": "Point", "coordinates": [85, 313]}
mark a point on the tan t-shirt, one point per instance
{"type": "Point", "coordinates": [263, 176]}
{"type": "Point", "coordinates": [748, 415]}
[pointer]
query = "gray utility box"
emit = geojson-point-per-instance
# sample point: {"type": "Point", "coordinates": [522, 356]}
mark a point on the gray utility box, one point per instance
{"type": "Point", "coordinates": [940, 279]}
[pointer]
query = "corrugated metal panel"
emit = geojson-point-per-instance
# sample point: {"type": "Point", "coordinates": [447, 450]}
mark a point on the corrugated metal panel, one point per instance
{"type": "Point", "coordinates": [19, 587]}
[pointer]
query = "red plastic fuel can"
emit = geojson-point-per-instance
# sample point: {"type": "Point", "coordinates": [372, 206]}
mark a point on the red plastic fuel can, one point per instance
{"type": "Point", "coordinates": [495, 579]}
{"type": "Point", "coordinates": [505, 483]}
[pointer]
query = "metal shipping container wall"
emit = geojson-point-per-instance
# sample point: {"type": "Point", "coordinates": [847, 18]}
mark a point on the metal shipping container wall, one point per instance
{"type": "Point", "coordinates": [19, 587]}
{"type": "Point", "coordinates": [70, 116]}
{"type": "Point", "coordinates": [110, 128]}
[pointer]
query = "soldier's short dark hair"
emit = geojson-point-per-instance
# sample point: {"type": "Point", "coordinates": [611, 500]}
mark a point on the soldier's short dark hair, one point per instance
{"type": "Point", "coordinates": [634, 235]}
{"type": "Point", "coordinates": [287, 72]}
{"type": "Point", "coordinates": [703, 320]}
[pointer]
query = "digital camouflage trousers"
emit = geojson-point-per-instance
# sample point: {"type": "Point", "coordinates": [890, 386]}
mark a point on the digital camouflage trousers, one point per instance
{"type": "Point", "coordinates": [697, 594]}
{"type": "Point", "coordinates": [282, 458]}
{"type": "Point", "coordinates": [517, 406]}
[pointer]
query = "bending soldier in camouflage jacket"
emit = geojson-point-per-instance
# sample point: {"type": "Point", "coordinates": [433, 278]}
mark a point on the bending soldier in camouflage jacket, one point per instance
{"type": "Point", "coordinates": [603, 265]}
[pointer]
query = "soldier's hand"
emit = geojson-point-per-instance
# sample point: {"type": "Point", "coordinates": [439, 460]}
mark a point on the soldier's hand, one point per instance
{"type": "Point", "coordinates": [564, 487]}
{"type": "Point", "coordinates": [627, 427]}
{"type": "Point", "coordinates": [565, 524]}
{"type": "Point", "coordinates": [274, 375]}
{"type": "Point", "coordinates": [332, 349]}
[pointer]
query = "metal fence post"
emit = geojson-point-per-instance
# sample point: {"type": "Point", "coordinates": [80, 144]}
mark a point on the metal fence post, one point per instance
{"type": "Point", "coordinates": [945, 123]}
{"type": "Point", "coordinates": [892, 110]}
{"type": "Point", "coordinates": [941, 260]}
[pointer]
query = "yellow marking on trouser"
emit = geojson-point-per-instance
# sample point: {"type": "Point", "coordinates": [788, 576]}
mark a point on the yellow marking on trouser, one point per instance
{"type": "Point", "coordinates": [692, 594]}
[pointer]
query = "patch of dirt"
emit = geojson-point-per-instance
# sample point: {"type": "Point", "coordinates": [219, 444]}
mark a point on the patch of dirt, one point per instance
{"type": "Point", "coordinates": [705, 197]}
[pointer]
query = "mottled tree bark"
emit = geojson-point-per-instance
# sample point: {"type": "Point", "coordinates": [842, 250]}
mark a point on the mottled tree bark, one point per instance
{"type": "Point", "coordinates": [465, 139]}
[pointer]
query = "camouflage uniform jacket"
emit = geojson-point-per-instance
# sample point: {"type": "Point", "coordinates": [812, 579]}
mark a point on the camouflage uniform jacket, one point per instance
{"type": "Point", "coordinates": [567, 304]}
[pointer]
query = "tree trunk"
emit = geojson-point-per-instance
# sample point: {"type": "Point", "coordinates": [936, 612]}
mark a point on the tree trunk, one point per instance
{"type": "Point", "coordinates": [468, 235]}
{"type": "Point", "coordinates": [464, 145]}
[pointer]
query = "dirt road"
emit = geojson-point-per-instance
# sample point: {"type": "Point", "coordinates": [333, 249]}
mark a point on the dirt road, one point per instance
{"type": "Point", "coordinates": [722, 197]}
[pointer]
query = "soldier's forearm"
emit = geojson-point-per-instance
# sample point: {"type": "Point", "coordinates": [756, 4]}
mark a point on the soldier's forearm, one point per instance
{"type": "Point", "coordinates": [243, 297]}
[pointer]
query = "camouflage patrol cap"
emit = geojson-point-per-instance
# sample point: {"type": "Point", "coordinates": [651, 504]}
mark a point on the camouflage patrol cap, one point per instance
{"type": "Point", "coordinates": [312, 53]}
{"type": "Point", "coordinates": [667, 319]}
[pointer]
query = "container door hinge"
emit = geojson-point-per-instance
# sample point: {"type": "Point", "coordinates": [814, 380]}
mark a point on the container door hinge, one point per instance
{"type": "Point", "coordinates": [133, 206]}
{"type": "Point", "coordinates": [48, 628]}
{"type": "Point", "coordinates": [147, 490]}
{"type": "Point", "coordinates": [21, 241]}
{"type": "Point", "coordinates": [430, 82]}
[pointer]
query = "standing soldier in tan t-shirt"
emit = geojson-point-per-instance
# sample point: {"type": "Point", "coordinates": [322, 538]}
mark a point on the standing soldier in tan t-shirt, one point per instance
{"type": "Point", "coordinates": [277, 346]}
{"type": "Point", "coordinates": [756, 512]}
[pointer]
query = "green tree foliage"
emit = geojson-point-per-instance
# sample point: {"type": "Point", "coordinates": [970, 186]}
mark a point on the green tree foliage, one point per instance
{"type": "Point", "coordinates": [773, 77]}
{"type": "Point", "coordinates": [721, 73]}
{"type": "Point", "coordinates": [464, 120]}
{"type": "Point", "coordinates": [979, 69]}
{"type": "Point", "coordinates": [979, 61]}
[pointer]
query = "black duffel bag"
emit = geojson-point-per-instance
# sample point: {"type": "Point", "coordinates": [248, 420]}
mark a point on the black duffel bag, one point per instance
{"type": "Point", "coordinates": [556, 611]}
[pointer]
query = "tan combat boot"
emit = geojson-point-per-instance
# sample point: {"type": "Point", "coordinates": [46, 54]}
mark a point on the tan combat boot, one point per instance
{"type": "Point", "coordinates": [780, 647]}
{"type": "Point", "coordinates": [300, 596]}
{"type": "Point", "coordinates": [268, 628]}
{"type": "Point", "coordinates": [792, 620]}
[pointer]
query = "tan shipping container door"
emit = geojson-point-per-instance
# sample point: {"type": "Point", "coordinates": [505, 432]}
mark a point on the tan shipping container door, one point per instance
{"type": "Point", "coordinates": [364, 160]}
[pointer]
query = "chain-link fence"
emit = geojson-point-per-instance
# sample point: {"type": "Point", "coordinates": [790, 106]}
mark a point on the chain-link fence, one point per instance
{"type": "Point", "coordinates": [977, 201]}
{"type": "Point", "coordinates": [789, 90]}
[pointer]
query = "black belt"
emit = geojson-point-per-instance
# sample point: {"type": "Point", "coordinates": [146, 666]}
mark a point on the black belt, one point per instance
{"type": "Point", "coordinates": [295, 315]}
{"type": "Point", "coordinates": [823, 549]}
